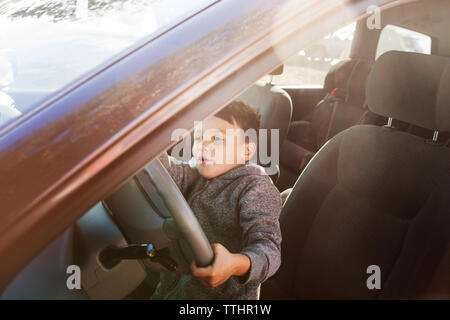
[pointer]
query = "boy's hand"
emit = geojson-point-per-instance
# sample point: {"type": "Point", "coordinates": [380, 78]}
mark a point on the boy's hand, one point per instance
{"type": "Point", "coordinates": [225, 265]}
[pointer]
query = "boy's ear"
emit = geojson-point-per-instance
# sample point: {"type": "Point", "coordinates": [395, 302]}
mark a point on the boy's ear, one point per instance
{"type": "Point", "coordinates": [250, 150]}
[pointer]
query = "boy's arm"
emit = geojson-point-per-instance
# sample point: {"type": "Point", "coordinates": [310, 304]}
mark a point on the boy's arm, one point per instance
{"type": "Point", "coordinates": [182, 173]}
{"type": "Point", "coordinates": [260, 207]}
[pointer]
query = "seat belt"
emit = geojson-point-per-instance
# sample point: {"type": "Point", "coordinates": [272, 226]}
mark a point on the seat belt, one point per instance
{"type": "Point", "coordinates": [338, 98]}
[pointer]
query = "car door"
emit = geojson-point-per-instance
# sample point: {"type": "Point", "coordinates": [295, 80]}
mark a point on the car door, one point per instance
{"type": "Point", "coordinates": [71, 150]}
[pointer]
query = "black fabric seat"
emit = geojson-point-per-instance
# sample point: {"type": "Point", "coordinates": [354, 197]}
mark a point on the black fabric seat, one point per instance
{"type": "Point", "coordinates": [375, 196]}
{"type": "Point", "coordinates": [343, 106]}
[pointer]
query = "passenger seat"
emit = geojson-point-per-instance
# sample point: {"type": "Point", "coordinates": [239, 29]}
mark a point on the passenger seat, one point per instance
{"type": "Point", "coordinates": [375, 198]}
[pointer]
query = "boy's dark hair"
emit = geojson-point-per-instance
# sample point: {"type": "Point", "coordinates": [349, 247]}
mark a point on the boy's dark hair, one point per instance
{"type": "Point", "coordinates": [245, 115]}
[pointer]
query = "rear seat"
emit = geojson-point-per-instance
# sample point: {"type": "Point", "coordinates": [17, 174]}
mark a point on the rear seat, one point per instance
{"type": "Point", "coordinates": [343, 106]}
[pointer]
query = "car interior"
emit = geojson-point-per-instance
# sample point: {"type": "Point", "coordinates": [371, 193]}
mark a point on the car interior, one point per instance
{"type": "Point", "coordinates": [364, 174]}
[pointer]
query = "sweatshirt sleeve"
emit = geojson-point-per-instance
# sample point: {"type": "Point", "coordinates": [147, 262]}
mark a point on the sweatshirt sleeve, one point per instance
{"type": "Point", "coordinates": [184, 174]}
{"type": "Point", "coordinates": [260, 208]}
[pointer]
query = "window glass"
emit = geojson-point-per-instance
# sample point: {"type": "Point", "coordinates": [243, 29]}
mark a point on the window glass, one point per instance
{"type": "Point", "coordinates": [309, 67]}
{"type": "Point", "coordinates": [401, 39]}
{"type": "Point", "coordinates": [46, 44]}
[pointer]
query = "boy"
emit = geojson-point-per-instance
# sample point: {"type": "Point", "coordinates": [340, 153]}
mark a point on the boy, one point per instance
{"type": "Point", "coordinates": [237, 206]}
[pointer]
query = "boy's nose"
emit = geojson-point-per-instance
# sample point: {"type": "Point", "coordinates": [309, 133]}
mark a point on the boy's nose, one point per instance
{"type": "Point", "coordinates": [206, 147]}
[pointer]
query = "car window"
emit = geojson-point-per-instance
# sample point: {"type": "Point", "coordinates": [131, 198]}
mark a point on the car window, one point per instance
{"type": "Point", "coordinates": [401, 39]}
{"type": "Point", "coordinates": [44, 45]}
{"type": "Point", "coordinates": [309, 67]}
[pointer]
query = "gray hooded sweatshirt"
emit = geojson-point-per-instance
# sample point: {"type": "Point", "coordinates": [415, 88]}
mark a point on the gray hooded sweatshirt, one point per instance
{"type": "Point", "coordinates": [238, 209]}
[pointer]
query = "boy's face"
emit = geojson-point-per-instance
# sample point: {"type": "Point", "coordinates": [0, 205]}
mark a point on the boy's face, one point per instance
{"type": "Point", "coordinates": [220, 146]}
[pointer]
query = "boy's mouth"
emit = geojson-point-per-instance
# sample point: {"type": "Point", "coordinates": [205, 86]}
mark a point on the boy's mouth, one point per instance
{"type": "Point", "coordinates": [206, 161]}
{"type": "Point", "coordinates": [203, 161]}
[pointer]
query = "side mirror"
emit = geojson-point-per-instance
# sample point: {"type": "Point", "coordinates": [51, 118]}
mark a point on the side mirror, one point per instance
{"type": "Point", "coordinates": [8, 67]}
{"type": "Point", "coordinates": [8, 109]}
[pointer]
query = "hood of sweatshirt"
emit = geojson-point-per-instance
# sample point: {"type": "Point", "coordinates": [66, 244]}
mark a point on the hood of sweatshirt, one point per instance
{"type": "Point", "coordinates": [246, 170]}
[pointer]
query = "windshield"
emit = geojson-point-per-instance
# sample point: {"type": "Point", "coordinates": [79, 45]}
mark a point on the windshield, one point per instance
{"type": "Point", "coordinates": [44, 45]}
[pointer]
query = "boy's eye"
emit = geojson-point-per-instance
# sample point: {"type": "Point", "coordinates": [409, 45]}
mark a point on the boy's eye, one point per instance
{"type": "Point", "coordinates": [217, 139]}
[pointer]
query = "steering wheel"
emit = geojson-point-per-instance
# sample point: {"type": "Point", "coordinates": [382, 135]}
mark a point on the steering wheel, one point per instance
{"type": "Point", "coordinates": [150, 209]}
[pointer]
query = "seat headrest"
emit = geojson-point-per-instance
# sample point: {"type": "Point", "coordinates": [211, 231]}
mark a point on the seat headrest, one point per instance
{"type": "Point", "coordinates": [411, 87]}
